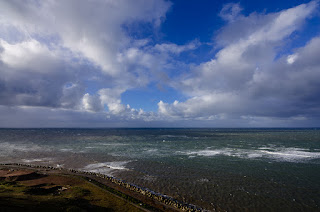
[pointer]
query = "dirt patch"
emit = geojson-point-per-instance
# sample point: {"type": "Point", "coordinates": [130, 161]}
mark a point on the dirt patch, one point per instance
{"type": "Point", "coordinates": [53, 179]}
{"type": "Point", "coordinates": [18, 175]}
{"type": "Point", "coordinates": [95, 188]}
{"type": "Point", "coordinates": [29, 190]}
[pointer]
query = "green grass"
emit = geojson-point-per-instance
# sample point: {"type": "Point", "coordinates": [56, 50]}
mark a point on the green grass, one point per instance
{"type": "Point", "coordinates": [15, 196]}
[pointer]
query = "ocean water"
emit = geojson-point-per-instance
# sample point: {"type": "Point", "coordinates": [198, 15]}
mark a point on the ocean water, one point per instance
{"type": "Point", "coordinates": [216, 169]}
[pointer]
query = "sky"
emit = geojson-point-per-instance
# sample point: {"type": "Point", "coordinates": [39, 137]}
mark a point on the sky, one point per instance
{"type": "Point", "coordinates": [159, 63]}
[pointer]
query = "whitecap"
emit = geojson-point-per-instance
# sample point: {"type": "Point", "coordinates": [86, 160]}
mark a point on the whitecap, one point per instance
{"type": "Point", "coordinates": [112, 144]}
{"type": "Point", "coordinates": [278, 154]}
{"type": "Point", "coordinates": [118, 165]}
{"type": "Point", "coordinates": [10, 147]}
{"type": "Point", "coordinates": [66, 150]}
{"type": "Point", "coordinates": [31, 160]}
{"type": "Point", "coordinates": [290, 154]}
{"type": "Point", "coordinates": [210, 153]}
{"type": "Point", "coordinates": [203, 180]}
{"type": "Point", "coordinates": [106, 167]}
{"type": "Point", "coordinates": [34, 160]}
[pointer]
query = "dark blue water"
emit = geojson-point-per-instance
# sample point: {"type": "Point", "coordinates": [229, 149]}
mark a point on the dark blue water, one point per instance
{"type": "Point", "coordinates": [224, 169]}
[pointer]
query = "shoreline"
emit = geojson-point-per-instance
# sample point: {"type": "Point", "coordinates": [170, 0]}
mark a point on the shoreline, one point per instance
{"type": "Point", "coordinates": [141, 197]}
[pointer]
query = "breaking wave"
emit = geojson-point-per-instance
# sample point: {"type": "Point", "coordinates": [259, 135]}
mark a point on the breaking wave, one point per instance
{"type": "Point", "coordinates": [106, 167]}
{"type": "Point", "coordinates": [281, 154]}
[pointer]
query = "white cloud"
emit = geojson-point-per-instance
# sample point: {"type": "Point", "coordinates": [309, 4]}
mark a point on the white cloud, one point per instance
{"type": "Point", "coordinates": [48, 59]}
{"type": "Point", "coordinates": [51, 52]}
{"type": "Point", "coordinates": [91, 29]}
{"type": "Point", "coordinates": [72, 94]}
{"type": "Point", "coordinates": [176, 49]}
{"type": "Point", "coordinates": [28, 55]}
{"type": "Point", "coordinates": [200, 107]}
{"type": "Point", "coordinates": [31, 74]}
{"type": "Point", "coordinates": [55, 44]}
{"type": "Point", "coordinates": [92, 103]}
{"type": "Point", "coordinates": [230, 11]}
{"type": "Point", "coordinates": [292, 58]}
{"type": "Point", "coordinates": [244, 78]}
{"type": "Point", "coordinates": [111, 98]}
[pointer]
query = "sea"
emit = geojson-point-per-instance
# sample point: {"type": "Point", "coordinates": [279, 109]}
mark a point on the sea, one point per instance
{"type": "Point", "coordinates": [215, 169]}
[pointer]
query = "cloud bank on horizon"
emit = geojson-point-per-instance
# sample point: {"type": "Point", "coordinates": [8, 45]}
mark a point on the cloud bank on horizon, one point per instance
{"type": "Point", "coordinates": [90, 63]}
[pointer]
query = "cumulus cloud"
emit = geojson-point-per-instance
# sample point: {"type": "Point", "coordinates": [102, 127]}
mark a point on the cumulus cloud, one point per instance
{"type": "Point", "coordinates": [92, 29]}
{"type": "Point", "coordinates": [31, 74]}
{"type": "Point", "coordinates": [230, 11]}
{"type": "Point", "coordinates": [50, 49]}
{"type": "Point", "coordinates": [245, 79]}
{"type": "Point", "coordinates": [26, 54]}
{"type": "Point", "coordinates": [111, 98]}
{"type": "Point", "coordinates": [71, 62]}
{"type": "Point", "coordinates": [92, 103]}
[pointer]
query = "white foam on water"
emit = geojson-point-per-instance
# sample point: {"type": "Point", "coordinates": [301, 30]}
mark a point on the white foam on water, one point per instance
{"type": "Point", "coordinates": [290, 154]}
{"type": "Point", "coordinates": [7, 147]}
{"type": "Point", "coordinates": [118, 165]}
{"type": "Point", "coordinates": [279, 148]}
{"type": "Point", "coordinates": [37, 160]}
{"type": "Point", "coordinates": [210, 153]}
{"type": "Point", "coordinates": [31, 160]}
{"type": "Point", "coordinates": [280, 154]}
{"type": "Point", "coordinates": [112, 144]}
{"type": "Point", "coordinates": [106, 167]}
{"type": "Point", "coordinates": [66, 150]}
{"type": "Point", "coordinates": [254, 155]}
{"type": "Point", "coordinates": [203, 180]}
{"type": "Point", "coordinates": [150, 151]}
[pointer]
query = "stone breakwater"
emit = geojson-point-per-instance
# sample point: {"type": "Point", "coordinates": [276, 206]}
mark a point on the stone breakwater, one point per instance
{"type": "Point", "coordinates": [144, 191]}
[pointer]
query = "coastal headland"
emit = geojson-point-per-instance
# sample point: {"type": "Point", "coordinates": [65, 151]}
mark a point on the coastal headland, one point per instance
{"type": "Point", "coordinates": [26, 187]}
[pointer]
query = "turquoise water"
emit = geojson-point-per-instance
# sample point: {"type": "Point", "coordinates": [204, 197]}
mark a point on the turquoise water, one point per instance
{"type": "Point", "coordinates": [224, 169]}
